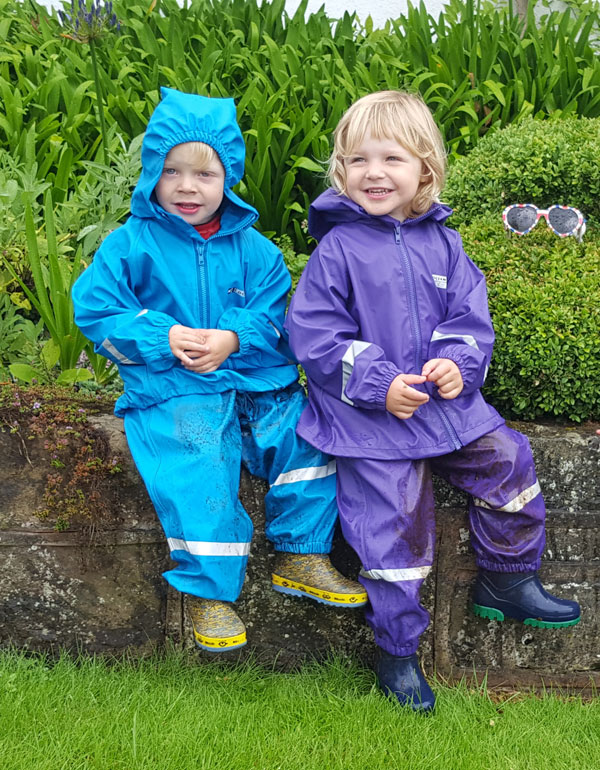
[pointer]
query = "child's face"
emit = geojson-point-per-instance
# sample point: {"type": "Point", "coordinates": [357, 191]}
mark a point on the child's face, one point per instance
{"type": "Point", "coordinates": [383, 177]}
{"type": "Point", "coordinates": [188, 188]}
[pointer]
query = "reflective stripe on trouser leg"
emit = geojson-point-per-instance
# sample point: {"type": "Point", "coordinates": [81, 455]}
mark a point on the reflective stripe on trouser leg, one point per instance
{"type": "Point", "coordinates": [188, 451]}
{"type": "Point", "coordinates": [387, 516]}
{"type": "Point", "coordinates": [507, 511]}
{"type": "Point", "coordinates": [300, 506]}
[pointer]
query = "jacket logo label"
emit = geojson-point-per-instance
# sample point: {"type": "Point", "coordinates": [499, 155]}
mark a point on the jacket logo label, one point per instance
{"type": "Point", "coordinates": [440, 281]}
{"type": "Point", "coordinates": [233, 290]}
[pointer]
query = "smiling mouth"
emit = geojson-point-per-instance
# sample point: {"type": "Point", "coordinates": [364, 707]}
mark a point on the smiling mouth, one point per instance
{"type": "Point", "coordinates": [188, 206]}
{"type": "Point", "coordinates": [378, 192]}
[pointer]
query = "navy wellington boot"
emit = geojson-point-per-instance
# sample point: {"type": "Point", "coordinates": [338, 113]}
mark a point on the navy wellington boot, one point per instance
{"type": "Point", "coordinates": [521, 596]}
{"type": "Point", "coordinates": [401, 676]}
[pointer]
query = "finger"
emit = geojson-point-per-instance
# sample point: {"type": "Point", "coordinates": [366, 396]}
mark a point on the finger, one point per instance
{"type": "Point", "coordinates": [428, 367]}
{"type": "Point", "coordinates": [432, 365]}
{"type": "Point", "coordinates": [197, 352]}
{"type": "Point", "coordinates": [414, 395]}
{"type": "Point", "coordinates": [452, 393]}
{"type": "Point", "coordinates": [405, 415]}
{"type": "Point", "coordinates": [447, 379]}
{"type": "Point", "coordinates": [412, 379]}
{"type": "Point", "coordinates": [197, 366]}
{"type": "Point", "coordinates": [185, 359]}
{"type": "Point", "coordinates": [437, 371]}
{"type": "Point", "coordinates": [401, 408]}
{"type": "Point", "coordinates": [189, 344]}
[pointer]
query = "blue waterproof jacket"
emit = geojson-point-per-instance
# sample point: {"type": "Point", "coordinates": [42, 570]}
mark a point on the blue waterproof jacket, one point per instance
{"type": "Point", "coordinates": [156, 271]}
{"type": "Point", "coordinates": [379, 298]}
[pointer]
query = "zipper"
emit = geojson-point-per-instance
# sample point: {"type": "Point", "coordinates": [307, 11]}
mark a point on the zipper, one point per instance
{"type": "Point", "coordinates": [202, 288]}
{"type": "Point", "coordinates": [416, 328]}
{"type": "Point", "coordinates": [201, 245]}
{"type": "Point", "coordinates": [412, 298]}
{"type": "Point", "coordinates": [447, 424]}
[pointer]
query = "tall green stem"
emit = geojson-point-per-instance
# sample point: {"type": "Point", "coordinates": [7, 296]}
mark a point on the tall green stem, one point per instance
{"type": "Point", "coordinates": [99, 100]}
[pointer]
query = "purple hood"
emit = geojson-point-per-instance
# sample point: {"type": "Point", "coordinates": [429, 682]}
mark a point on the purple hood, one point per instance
{"type": "Point", "coordinates": [378, 298]}
{"type": "Point", "coordinates": [332, 209]}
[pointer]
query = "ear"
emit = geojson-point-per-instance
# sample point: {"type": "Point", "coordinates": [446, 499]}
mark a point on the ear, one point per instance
{"type": "Point", "coordinates": [425, 173]}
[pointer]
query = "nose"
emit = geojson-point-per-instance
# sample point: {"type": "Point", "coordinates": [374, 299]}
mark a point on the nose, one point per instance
{"type": "Point", "coordinates": [375, 170]}
{"type": "Point", "coordinates": [186, 183]}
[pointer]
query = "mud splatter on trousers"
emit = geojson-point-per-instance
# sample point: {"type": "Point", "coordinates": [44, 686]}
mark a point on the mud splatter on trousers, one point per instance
{"type": "Point", "coordinates": [189, 452]}
{"type": "Point", "coordinates": [387, 515]}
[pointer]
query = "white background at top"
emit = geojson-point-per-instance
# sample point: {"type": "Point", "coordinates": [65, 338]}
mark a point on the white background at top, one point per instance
{"type": "Point", "coordinates": [379, 10]}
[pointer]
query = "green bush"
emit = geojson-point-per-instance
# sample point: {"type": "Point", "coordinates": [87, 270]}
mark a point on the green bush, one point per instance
{"type": "Point", "coordinates": [478, 67]}
{"type": "Point", "coordinates": [541, 162]}
{"type": "Point", "coordinates": [543, 293]}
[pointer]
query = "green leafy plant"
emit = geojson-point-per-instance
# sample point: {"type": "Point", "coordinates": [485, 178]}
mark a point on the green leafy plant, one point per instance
{"type": "Point", "coordinates": [101, 201]}
{"type": "Point", "coordinates": [15, 181]}
{"type": "Point", "coordinates": [543, 294]}
{"type": "Point", "coordinates": [51, 298]}
{"type": "Point", "coordinates": [19, 336]}
{"type": "Point", "coordinates": [479, 67]}
{"type": "Point", "coordinates": [541, 162]}
{"type": "Point", "coordinates": [90, 26]}
{"type": "Point", "coordinates": [296, 262]}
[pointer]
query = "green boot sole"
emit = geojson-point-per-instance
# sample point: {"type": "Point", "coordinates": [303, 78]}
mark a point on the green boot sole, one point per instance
{"type": "Point", "coordinates": [490, 613]}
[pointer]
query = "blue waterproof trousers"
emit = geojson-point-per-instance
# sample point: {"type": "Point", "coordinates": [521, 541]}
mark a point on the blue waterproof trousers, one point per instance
{"type": "Point", "coordinates": [387, 516]}
{"type": "Point", "coordinates": [189, 451]}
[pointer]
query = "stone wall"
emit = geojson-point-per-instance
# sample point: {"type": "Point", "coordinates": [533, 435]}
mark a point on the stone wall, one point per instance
{"type": "Point", "coordinates": [100, 590]}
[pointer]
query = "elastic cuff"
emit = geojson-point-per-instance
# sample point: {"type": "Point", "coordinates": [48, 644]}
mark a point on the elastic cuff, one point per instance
{"type": "Point", "coordinates": [399, 650]}
{"type": "Point", "coordinates": [494, 566]}
{"type": "Point", "coordinates": [384, 386]}
{"type": "Point", "coordinates": [313, 547]}
{"type": "Point", "coordinates": [160, 357]}
{"type": "Point", "coordinates": [202, 589]}
{"type": "Point", "coordinates": [469, 364]}
{"type": "Point", "coordinates": [243, 337]}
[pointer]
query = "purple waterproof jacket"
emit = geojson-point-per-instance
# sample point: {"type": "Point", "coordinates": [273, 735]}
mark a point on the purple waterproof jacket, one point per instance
{"type": "Point", "coordinates": [379, 298]}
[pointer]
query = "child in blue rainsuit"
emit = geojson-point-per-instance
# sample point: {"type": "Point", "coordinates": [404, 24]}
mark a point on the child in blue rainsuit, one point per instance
{"type": "Point", "coordinates": [189, 300]}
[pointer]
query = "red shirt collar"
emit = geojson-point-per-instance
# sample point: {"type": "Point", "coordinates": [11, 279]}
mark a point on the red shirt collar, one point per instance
{"type": "Point", "coordinates": [209, 228]}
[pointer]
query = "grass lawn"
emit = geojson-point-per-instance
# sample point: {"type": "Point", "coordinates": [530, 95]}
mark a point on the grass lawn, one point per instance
{"type": "Point", "coordinates": [170, 713]}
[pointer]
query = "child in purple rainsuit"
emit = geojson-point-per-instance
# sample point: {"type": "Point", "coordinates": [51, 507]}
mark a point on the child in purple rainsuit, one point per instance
{"type": "Point", "coordinates": [390, 321]}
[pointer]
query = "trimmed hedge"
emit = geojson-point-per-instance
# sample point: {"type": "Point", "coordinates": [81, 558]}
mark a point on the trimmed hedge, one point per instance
{"type": "Point", "coordinates": [540, 162]}
{"type": "Point", "coordinates": [543, 293]}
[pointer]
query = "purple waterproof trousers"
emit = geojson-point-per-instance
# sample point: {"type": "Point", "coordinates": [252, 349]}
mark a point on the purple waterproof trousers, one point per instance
{"type": "Point", "coordinates": [387, 516]}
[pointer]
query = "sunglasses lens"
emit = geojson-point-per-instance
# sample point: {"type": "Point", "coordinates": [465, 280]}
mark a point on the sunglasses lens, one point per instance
{"type": "Point", "coordinates": [563, 220]}
{"type": "Point", "coordinates": [521, 218]}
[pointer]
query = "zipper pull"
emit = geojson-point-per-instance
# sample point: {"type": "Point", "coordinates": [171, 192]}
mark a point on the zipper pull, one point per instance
{"type": "Point", "coordinates": [397, 233]}
{"type": "Point", "coordinates": [200, 252]}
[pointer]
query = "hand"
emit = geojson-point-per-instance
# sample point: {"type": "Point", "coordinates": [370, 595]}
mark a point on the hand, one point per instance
{"type": "Point", "coordinates": [218, 345]}
{"type": "Point", "coordinates": [446, 375]}
{"type": "Point", "coordinates": [402, 400]}
{"type": "Point", "coordinates": [186, 342]}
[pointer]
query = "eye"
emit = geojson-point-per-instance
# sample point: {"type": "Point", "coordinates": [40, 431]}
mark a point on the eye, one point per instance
{"type": "Point", "coordinates": [169, 171]}
{"type": "Point", "coordinates": [355, 159]}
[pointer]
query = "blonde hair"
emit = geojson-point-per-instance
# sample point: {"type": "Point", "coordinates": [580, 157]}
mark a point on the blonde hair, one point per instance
{"type": "Point", "coordinates": [202, 154]}
{"type": "Point", "coordinates": [392, 115]}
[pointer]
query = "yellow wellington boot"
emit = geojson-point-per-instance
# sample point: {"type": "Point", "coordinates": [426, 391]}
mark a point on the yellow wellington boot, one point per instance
{"type": "Point", "coordinates": [314, 576]}
{"type": "Point", "coordinates": [216, 624]}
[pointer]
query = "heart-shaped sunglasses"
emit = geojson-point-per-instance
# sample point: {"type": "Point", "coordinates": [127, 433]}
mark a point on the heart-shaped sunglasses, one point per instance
{"type": "Point", "coordinates": [521, 218]}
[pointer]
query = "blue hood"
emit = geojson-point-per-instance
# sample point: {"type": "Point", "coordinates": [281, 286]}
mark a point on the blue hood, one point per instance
{"type": "Point", "coordinates": [182, 118]}
{"type": "Point", "coordinates": [331, 209]}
